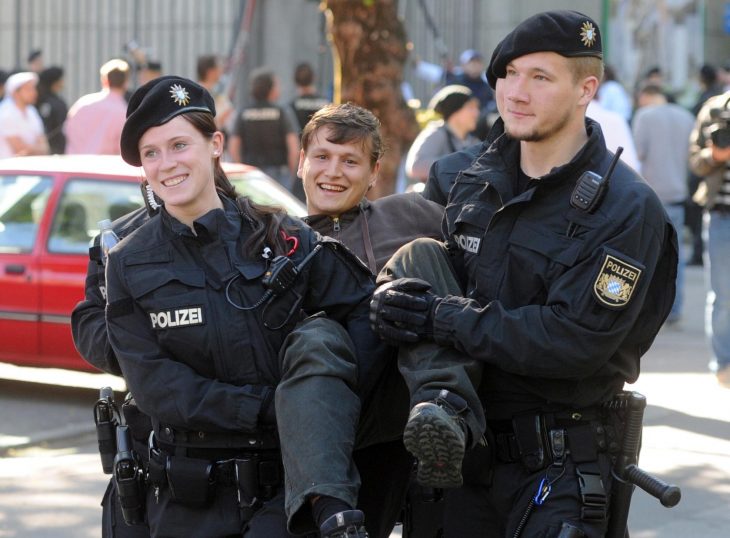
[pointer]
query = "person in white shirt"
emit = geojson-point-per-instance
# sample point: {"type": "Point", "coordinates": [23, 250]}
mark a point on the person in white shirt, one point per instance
{"type": "Point", "coordinates": [21, 127]}
{"type": "Point", "coordinates": [616, 132]}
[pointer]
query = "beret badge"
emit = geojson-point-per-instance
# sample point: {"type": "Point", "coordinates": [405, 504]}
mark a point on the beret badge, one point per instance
{"type": "Point", "coordinates": [179, 95]}
{"type": "Point", "coordinates": [588, 34]}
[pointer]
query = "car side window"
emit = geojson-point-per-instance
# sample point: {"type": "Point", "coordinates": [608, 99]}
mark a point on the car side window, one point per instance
{"type": "Point", "coordinates": [83, 203]}
{"type": "Point", "coordinates": [23, 199]}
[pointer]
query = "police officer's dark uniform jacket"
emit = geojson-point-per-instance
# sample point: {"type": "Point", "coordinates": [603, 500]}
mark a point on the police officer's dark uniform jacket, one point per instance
{"type": "Point", "coordinates": [202, 368]}
{"type": "Point", "coordinates": [171, 303]}
{"type": "Point", "coordinates": [562, 302]}
{"type": "Point", "coordinates": [88, 327]}
{"type": "Point", "coordinates": [263, 127]}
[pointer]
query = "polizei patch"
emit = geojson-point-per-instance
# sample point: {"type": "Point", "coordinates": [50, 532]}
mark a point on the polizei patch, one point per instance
{"type": "Point", "coordinates": [177, 317]}
{"type": "Point", "coordinates": [616, 282]}
{"type": "Point", "coordinates": [468, 243]}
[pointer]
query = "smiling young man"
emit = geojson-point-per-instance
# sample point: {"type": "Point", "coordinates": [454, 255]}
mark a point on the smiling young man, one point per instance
{"type": "Point", "coordinates": [339, 162]}
{"type": "Point", "coordinates": [562, 293]}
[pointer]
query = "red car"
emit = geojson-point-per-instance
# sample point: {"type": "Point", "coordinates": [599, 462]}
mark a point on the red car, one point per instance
{"type": "Point", "coordinates": [49, 210]}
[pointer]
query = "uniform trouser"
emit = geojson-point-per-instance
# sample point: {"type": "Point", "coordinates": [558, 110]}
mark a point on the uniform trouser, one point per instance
{"type": "Point", "coordinates": [220, 518]}
{"type": "Point", "coordinates": [490, 504]}
{"type": "Point", "coordinates": [426, 366]}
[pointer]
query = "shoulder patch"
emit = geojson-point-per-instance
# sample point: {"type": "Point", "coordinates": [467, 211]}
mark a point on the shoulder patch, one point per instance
{"type": "Point", "coordinates": [616, 282]}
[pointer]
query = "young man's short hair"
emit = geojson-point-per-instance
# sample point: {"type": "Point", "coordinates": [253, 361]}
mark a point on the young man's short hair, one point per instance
{"type": "Point", "coordinates": [586, 66]}
{"type": "Point", "coordinates": [348, 123]}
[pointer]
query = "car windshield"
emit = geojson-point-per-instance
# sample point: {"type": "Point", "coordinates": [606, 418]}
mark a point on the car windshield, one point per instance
{"type": "Point", "coordinates": [262, 190]}
{"type": "Point", "coordinates": [23, 199]}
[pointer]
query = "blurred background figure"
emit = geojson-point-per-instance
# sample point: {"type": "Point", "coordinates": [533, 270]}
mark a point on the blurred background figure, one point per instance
{"type": "Point", "coordinates": [459, 110]}
{"type": "Point", "coordinates": [308, 100]}
{"type": "Point", "coordinates": [3, 77]}
{"type": "Point", "coordinates": [616, 132]}
{"type": "Point", "coordinates": [21, 127]}
{"type": "Point", "coordinates": [210, 70]}
{"type": "Point", "coordinates": [655, 76]}
{"type": "Point", "coordinates": [613, 96]}
{"type": "Point", "coordinates": [35, 61]}
{"type": "Point", "coordinates": [472, 76]}
{"type": "Point", "coordinates": [710, 86]}
{"type": "Point", "coordinates": [661, 135]}
{"type": "Point", "coordinates": [265, 134]}
{"type": "Point", "coordinates": [723, 75]}
{"type": "Point", "coordinates": [150, 70]}
{"type": "Point", "coordinates": [94, 123]}
{"type": "Point", "coordinates": [709, 158]}
{"type": "Point", "coordinates": [52, 107]}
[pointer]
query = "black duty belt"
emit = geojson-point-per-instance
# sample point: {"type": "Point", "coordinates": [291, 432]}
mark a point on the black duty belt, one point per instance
{"type": "Point", "coordinates": [256, 475]}
{"type": "Point", "coordinates": [526, 438]}
{"type": "Point", "coordinates": [264, 440]}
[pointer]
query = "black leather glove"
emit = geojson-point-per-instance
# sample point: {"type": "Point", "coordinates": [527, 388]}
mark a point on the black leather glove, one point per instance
{"type": "Point", "coordinates": [403, 310]}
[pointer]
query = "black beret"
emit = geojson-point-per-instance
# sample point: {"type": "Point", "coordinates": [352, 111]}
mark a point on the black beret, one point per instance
{"type": "Point", "coordinates": [569, 33]}
{"type": "Point", "coordinates": [450, 99]}
{"type": "Point", "coordinates": [156, 103]}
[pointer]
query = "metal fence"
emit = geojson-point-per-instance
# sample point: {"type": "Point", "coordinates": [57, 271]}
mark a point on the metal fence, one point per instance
{"type": "Point", "coordinates": [80, 35]}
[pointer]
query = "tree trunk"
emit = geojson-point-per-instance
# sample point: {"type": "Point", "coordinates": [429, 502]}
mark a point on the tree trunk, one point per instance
{"type": "Point", "coordinates": [369, 46]}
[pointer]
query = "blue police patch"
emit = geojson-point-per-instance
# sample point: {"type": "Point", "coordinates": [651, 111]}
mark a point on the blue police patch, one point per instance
{"type": "Point", "coordinates": [616, 282]}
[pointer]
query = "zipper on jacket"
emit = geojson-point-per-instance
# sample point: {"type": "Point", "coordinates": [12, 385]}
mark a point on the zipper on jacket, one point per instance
{"type": "Point", "coordinates": [336, 224]}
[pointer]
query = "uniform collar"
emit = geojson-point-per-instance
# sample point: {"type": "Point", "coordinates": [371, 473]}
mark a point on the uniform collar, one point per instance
{"type": "Point", "coordinates": [217, 223]}
{"type": "Point", "coordinates": [507, 151]}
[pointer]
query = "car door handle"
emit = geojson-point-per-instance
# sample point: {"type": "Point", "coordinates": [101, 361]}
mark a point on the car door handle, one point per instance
{"type": "Point", "coordinates": [14, 269]}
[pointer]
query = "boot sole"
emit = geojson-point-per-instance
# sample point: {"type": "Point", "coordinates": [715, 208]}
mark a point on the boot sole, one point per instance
{"type": "Point", "coordinates": [438, 449]}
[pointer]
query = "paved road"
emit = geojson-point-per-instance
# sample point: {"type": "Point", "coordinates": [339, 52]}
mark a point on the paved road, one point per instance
{"type": "Point", "coordinates": [53, 488]}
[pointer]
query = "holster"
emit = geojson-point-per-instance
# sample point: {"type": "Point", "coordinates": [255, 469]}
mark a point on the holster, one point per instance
{"type": "Point", "coordinates": [258, 479]}
{"type": "Point", "coordinates": [189, 480]}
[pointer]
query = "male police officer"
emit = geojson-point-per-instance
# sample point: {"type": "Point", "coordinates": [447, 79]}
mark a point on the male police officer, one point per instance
{"type": "Point", "coordinates": [568, 276]}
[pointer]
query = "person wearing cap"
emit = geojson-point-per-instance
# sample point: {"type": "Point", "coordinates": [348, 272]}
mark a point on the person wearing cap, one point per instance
{"type": "Point", "coordinates": [94, 123]}
{"type": "Point", "coordinates": [22, 128]}
{"type": "Point", "coordinates": [459, 110]}
{"type": "Point", "coordinates": [201, 301]}
{"type": "Point", "coordinates": [471, 75]}
{"type": "Point", "coordinates": [52, 107]}
{"type": "Point", "coordinates": [561, 293]}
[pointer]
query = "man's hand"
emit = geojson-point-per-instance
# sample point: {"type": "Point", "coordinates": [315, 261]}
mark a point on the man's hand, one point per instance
{"type": "Point", "coordinates": [402, 310]}
{"type": "Point", "coordinates": [719, 154]}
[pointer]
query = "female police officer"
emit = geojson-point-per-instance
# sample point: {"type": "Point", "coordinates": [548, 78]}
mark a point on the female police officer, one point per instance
{"type": "Point", "coordinates": [200, 301]}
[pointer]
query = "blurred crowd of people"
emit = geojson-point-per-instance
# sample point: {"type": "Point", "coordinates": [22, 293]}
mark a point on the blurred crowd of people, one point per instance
{"type": "Point", "coordinates": [654, 131]}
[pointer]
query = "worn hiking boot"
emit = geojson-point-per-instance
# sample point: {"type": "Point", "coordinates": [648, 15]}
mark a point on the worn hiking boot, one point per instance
{"type": "Point", "coordinates": [346, 524]}
{"type": "Point", "coordinates": [436, 435]}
